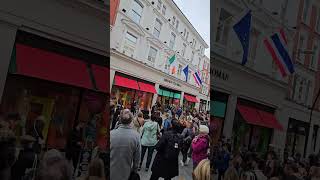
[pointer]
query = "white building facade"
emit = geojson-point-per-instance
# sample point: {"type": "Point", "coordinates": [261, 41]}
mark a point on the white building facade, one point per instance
{"type": "Point", "coordinates": [257, 86]}
{"type": "Point", "coordinates": [145, 35]}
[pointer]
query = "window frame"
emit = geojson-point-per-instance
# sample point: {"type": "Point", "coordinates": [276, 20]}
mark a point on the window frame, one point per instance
{"type": "Point", "coordinates": [133, 11]}
{"type": "Point", "coordinates": [151, 48]}
{"type": "Point", "coordinates": [155, 29]}
{"type": "Point", "coordinates": [164, 9]}
{"type": "Point", "coordinates": [172, 43]}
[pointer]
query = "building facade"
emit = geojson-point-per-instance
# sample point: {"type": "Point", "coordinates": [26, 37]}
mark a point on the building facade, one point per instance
{"type": "Point", "coordinates": [272, 95]}
{"type": "Point", "coordinates": [145, 36]}
{"type": "Point", "coordinates": [54, 67]}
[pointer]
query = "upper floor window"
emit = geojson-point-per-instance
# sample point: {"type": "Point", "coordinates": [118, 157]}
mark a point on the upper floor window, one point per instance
{"type": "Point", "coordinates": [224, 26]}
{"type": "Point", "coordinates": [164, 8]}
{"type": "Point", "coordinates": [157, 28]}
{"type": "Point", "coordinates": [152, 54]}
{"type": "Point", "coordinates": [172, 40]}
{"type": "Point", "coordinates": [179, 69]}
{"type": "Point", "coordinates": [129, 44]}
{"type": "Point", "coordinates": [177, 25]}
{"type": "Point", "coordinates": [136, 11]}
{"type": "Point", "coordinates": [187, 36]}
{"type": "Point", "coordinates": [192, 56]}
{"type": "Point", "coordinates": [189, 75]}
{"type": "Point", "coordinates": [195, 44]}
{"type": "Point", "coordinates": [315, 55]}
{"type": "Point", "coordinates": [184, 32]}
{"type": "Point", "coordinates": [301, 48]}
{"type": "Point", "coordinates": [306, 10]}
{"type": "Point", "coordinates": [159, 5]}
{"type": "Point", "coordinates": [184, 46]}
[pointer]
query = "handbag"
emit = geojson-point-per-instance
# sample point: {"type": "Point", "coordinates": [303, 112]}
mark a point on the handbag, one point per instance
{"type": "Point", "coordinates": [134, 176]}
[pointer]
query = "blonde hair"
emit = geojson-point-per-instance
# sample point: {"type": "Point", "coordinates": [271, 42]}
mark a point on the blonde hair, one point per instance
{"type": "Point", "coordinates": [202, 171]}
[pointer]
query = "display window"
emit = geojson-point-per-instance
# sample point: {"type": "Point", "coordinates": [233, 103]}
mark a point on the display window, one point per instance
{"type": "Point", "coordinates": [297, 136]}
{"type": "Point", "coordinates": [59, 106]}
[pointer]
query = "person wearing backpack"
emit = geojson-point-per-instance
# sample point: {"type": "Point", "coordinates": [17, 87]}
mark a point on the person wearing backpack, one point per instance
{"type": "Point", "coordinates": [200, 145]}
{"type": "Point", "coordinates": [187, 135]}
{"type": "Point", "coordinates": [165, 164]}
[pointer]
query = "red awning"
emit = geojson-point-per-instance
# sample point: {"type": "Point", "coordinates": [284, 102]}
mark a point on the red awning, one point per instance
{"type": "Point", "coordinates": [190, 98]}
{"type": "Point", "coordinates": [147, 87]}
{"type": "Point", "coordinates": [258, 117]}
{"type": "Point", "coordinates": [102, 77]}
{"type": "Point", "coordinates": [50, 66]}
{"type": "Point", "coordinates": [125, 82]}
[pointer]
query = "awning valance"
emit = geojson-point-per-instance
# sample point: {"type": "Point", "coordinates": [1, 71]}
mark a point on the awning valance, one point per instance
{"type": "Point", "coordinates": [190, 98]}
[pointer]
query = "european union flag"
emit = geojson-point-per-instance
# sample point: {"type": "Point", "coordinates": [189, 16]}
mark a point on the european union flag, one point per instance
{"type": "Point", "coordinates": [242, 29]}
{"type": "Point", "coordinates": [186, 72]}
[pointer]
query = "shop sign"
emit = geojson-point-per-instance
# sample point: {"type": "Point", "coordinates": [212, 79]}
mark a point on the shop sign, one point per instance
{"type": "Point", "coordinates": [220, 74]}
{"type": "Point", "coordinates": [171, 82]}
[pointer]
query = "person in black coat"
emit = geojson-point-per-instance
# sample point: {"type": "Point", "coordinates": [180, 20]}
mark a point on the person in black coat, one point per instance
{"type": "Point", "coordinates": [165, 163]}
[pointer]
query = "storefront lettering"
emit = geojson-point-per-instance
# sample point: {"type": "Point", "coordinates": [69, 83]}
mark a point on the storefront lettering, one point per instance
{"type": "Point", "coordinates": [217, 73]}
{"type": "Point", "coordinates": [171, 82]}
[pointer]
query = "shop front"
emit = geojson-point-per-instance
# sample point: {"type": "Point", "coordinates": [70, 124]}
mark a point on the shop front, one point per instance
{"type": "Point", "coordinates": [189, 102]}
{"type": "Point", "coordinates": [297, 137]}
{"type": "Point", "coordinates": [132, 93]}
{"type": "Point", "coordinates": [168, 96]}
{"type": "Point", "coordinates": [253, 126]}
{"type": "Point", "coordinates": [59, 88]}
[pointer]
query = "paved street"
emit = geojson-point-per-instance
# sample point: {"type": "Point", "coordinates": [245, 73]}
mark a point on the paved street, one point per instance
{"type": "Point", "coordinates": [185, 173]}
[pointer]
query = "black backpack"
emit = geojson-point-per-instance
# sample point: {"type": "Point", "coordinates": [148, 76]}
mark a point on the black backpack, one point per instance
{"type": "Point", "coordinates": [174, 145]}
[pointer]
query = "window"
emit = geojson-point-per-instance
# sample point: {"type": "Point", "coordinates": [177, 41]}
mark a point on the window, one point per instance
{"type": "Point", "coordinates": [173, 20]}
{"type": "Point", "coordinates": [307, 88]}
{"type": "Point", "coordinates": [179, 69]}
{"type": "Point", "coordinates": [136, 11]}
{"type": "Point", "coordinates": [172, 40]}
{"type": "Point", "coordinates": [187, 36]}
{"type": "Point", "coordinates": [164, 10]}
{"type": "Point", "coordinates": [130, 44]}
{"type": "Point", "coordinates": [305, 10]}
{"type": "Point", "coordinates": [314, 56]}
{"type": "Point", "coordinates": [223, 27]}
{"type": "Point", "coordinates": [184, 32]}
{"type": "Point", "coordinates": [195, 44]}
{"type": "Point", "coordinates": [318, 21]}
{"type": "Point", "coordinates": [157, 28]}
{"type": "Point", "coordinates": [183, 49]}
{"type": "Point", "coordinates": [159, 5]}
{"type": "Point", "coordinates": [177, 25]}
{"type": "Point", "coordinates": [152, 54]}
{"type": "Point", "coordinates": [192, 56]}
{"type": "Point", "coordinates": [301, 46]}
{"type": "Point", "coordinates": [189, 75]}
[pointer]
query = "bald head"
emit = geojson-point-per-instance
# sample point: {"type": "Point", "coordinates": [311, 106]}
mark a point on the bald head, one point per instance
{"type": "Point", "coordinates": [126, 116]}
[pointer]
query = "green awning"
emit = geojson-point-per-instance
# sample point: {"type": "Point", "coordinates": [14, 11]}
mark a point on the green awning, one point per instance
{"type": "Point", "coordinates": [217, 108]}
{"type": "Point", "coordinates": [177, 96]}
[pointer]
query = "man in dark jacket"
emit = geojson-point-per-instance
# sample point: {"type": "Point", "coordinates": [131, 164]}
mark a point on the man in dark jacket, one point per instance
{"type": "Point", "coordinates": [74, 143]}
{"type": "Point", "coordinates": [166, 164]}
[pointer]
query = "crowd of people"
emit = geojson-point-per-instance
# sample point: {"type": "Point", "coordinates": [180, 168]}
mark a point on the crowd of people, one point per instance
{"type": "Point", "coordinates": [167, 132]}
{"type": "Point", "coordinates": [249, 165]}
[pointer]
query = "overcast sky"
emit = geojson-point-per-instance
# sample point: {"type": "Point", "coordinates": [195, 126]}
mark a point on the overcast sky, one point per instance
{"type": "Point", "coordinates": [198, 13]}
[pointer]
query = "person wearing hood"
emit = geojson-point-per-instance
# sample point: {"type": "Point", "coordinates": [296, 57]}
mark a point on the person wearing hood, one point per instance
{"type": "Point", "coordinates": [150, 134]}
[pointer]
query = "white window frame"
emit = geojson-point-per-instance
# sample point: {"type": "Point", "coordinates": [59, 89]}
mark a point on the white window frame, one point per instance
{"type": "Point", "coordinates": [172, 40]}
{"type": "Point", "coordinates": [177, 24]}
{"type": "Point", "coordinates": [302, 47]}
{"type": "Point", "coordinates": [173, 20]}
{"type": "Point", "coordinates": [306, 11]}
{"type": "Point", "coordinates": [155, 29]}
{"type": "Point", "coordinates": [184, 47]}
{"type": "Point", "coordinates": [131, 45]}
{"type": "Point", "coordinates": [133, 11]}
{"type": "Point", "coordinates": [315, 56]}
{"type": "Point", "coordinates": [150, 58]}
{"type": "Point", "coordinates": [164, 9]}
{"type": "Point", "coordinates": [159, 5]}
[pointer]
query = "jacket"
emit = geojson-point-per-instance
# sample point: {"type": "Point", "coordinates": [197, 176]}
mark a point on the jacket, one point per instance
{"type": "Point", "coordinates": [124, 152]}
{"type": "Point", "coordinates": [162, 167]}
{"type": "Point", "coordinates": [149, 133]}
{"type": "Point", "coordinates": [200, 145]}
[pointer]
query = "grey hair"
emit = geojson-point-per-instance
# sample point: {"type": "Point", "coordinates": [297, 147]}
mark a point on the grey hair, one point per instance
{"type": "Point", "coordinates": [126, 117]}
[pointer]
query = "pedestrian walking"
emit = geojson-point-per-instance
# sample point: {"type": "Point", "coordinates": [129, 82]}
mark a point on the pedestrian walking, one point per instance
{"type": "Point", "coordinates": [124, 148]}
{"type": "Point", "coordinates": [167, 122]}
{"type": "Point", "coordinates": [7, 153]}
{"type": "Point", "coordinates": [200, 145]}
{"type": "Point", "coordinates": [150, 134]}
{"type": "Point", "coordinates": [222, 161]}
{"type": "Point", "coordinates": [138, 122]}
{"type": "Point", "coordinates": [187, 135]}
{"type": "Point", "coordinates": [166, 163]}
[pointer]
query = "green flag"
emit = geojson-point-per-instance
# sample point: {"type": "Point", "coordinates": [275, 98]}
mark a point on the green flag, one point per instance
{"type": "Point", "coordinates": [172, 59]}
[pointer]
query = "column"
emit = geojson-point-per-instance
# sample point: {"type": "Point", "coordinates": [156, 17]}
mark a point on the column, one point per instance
{"type": "Point", "coordinates": [230, 113]}
{"type": "Point", "coordinates": [112, 74]}
{"type": "Point", "coordinates": [7, 36]}
{"type": "Point", "coordinates": [155, 96]}
{"type": "Point", "coordinates": [309, 148]}
{"type": "Point", "coordinates": [181, 98]}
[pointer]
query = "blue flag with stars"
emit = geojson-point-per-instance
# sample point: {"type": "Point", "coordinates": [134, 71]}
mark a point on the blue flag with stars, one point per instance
{"type": "Point", "coordinates": [242, 29]}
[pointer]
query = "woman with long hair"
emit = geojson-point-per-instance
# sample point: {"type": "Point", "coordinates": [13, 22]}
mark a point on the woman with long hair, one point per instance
{"type": "Point", "coordinates": [202, 171]}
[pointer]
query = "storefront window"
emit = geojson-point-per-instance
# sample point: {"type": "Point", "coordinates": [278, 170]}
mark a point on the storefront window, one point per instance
{"type": "Point", "coordinates": [296, 137]}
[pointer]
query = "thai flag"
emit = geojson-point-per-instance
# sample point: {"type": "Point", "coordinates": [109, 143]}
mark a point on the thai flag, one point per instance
{"type": "Point", "coordinates": [276, 45]}
{"type": "Point", "coordinates": [197, 78]}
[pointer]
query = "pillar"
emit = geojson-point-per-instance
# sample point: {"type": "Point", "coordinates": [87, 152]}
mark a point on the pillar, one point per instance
{"type": "Point", "coordinates": [112, 74]}
{"type": "Point", "coordinates": [229, 118]}
{"type": "Point", "coordinates": [181, 98]}
{"type": "Point", "coordinates": [7, 36]}
{"type": "Point", "coordinates": [155, 96]}
{"type": "Point", "coordinates": [309, 148]}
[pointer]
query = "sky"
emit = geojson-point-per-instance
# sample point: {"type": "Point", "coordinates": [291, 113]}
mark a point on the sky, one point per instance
{"type": "Point", "coordinates": [199, 16]}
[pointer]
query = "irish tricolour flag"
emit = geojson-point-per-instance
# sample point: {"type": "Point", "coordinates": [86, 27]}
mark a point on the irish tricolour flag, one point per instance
{"type": "Point", "coordinates": [172, 62]}
{"type": "Point", "coordinates": [276, 44]}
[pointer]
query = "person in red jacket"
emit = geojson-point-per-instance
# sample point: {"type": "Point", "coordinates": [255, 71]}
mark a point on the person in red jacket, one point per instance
{"type": "Point", "coordinates": [200, 145]}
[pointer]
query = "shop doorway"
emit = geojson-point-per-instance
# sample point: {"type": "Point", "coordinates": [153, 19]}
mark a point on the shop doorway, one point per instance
{"type": "Point", "coordinates": [297, 137]}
